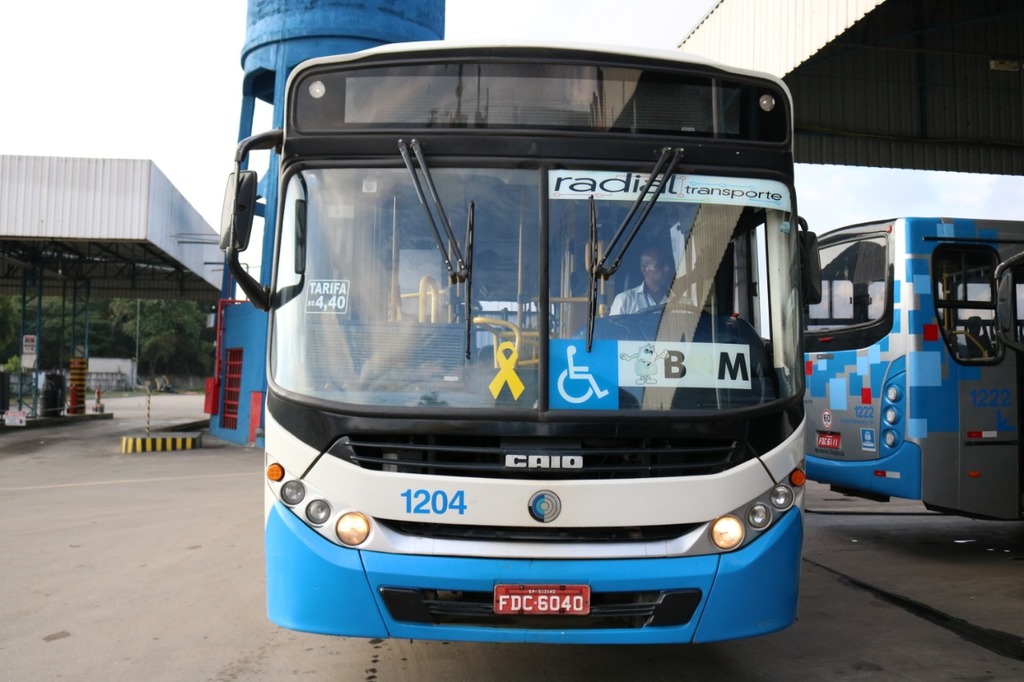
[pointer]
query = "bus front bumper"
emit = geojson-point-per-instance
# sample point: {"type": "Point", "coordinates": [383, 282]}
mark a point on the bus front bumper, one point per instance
{"type": "Point", "coordinates": [316, 586]}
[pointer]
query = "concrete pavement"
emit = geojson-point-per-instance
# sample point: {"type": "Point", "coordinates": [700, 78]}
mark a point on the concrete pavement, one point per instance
{"type": "Point", "coordinates": [149, 566]}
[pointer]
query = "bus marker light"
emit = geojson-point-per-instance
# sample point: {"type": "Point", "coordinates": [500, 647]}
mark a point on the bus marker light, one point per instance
{"type": "Point", "coordinates": [797, 477]}
{"type": "Point", "coordinates": [727, 532]}
{"type": "Point", "coordinates": [275, 472]}
{"type": "Point", "coordinates": [973, 474]}
{"type": "Point", "coordinates": [352, 528]}
{"type": "Point", "coordinates": [317, 89]}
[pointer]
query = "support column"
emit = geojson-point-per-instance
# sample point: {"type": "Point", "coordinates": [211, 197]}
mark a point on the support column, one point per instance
{"type": "Point", "coordinates": [79, 345]}
{"type": "Point", "coordinates": [31, 328]}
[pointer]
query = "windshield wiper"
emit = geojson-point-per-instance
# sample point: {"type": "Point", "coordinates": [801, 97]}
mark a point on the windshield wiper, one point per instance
{"type": "Point", "coordinates": [457, 272]}
{"type": "Point", "coordinates": [592, 300]}
{"type": "Point", "coordinates": [600, 269]}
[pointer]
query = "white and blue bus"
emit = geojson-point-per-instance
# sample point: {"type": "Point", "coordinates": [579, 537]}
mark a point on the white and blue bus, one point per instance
{"type": "Point", "coordinates": [910, 393]}
{"type": "Point", "coordinates": [463, 442]}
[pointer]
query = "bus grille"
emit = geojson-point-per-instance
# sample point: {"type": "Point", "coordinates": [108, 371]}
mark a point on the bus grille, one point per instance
{"type": "Point", "coordinates": [628, 610]}
{"type": "Point", "coordinates": [540, 533]}
{"type": "Point", "coordinates": [532, 460]}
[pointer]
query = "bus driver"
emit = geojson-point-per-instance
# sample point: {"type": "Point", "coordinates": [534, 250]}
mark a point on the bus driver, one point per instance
{"type": "Point", "coordinates": [656, 268]}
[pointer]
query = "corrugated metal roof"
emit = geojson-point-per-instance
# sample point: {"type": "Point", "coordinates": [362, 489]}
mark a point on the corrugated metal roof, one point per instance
{"type": "Point", "coordinates": [118, 223]}
{"type": "Point", "coordinates": [893, 83]}
{"type": "Point", "coordinates": [772, 35]}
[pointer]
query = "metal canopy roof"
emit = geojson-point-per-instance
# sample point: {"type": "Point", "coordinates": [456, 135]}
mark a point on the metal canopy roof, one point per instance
{"type": "Point", "coordinates": [117, 223]}
{"type": "Point", "coordinates": [918, 84]}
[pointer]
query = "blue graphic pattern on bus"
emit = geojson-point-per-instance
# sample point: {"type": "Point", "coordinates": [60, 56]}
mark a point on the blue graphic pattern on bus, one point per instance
{"type": "Point", "coordinates": [932, 379]}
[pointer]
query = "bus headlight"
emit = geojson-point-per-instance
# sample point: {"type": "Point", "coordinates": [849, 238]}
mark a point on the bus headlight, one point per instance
{"type": "Point", "coordinates": [892, 415]}
{"type": "Point", "coordinates": [890, 438]}
{"type": "Point", "coordinates": [893, 394]}
{"type": "Point", "coordinates": [727, 532]}
{"type": "Point", "coordinates": [352, 528]}
{"type": "Point", "coordinates": [782, 497]}
{"type": "Point", "coordinates": [318, 511]}
{"type": "Point", "coordinates": [759, 516]}
{"type": "Point", "coordinates": [293, 492]}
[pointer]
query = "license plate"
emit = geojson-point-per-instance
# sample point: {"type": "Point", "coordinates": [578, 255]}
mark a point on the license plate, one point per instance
{"type": "Point", "coordinates": [542, 600]}
{"type": "Point", "coordinates": [828, 441]}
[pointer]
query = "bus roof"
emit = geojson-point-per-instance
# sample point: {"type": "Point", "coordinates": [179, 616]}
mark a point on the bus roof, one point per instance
{"type": "Point", "coordinates": [470, 47]}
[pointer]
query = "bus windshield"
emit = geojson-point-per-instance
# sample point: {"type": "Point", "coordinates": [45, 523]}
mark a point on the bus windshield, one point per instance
{"type": "Point", "coordinates": [369, 312]}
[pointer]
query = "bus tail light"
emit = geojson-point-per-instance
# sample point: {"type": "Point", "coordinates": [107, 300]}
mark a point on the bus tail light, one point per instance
{"type": "Point", "coordinates": [892, 411]}
{"type": "Point", "coordinates": [352, 528]}
{"type": "Point", "coordinates": [797, 478]}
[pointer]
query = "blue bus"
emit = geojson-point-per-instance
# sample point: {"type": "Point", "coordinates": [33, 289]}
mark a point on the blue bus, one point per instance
{"type": "Point", "coordinates": [910, 393]}
{"type": "Point", "coordinates": [535, 362]}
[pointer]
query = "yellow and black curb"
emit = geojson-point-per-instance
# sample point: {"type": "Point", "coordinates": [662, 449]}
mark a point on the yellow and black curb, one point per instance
{"type": "Point", "coordinates": [161, 442]}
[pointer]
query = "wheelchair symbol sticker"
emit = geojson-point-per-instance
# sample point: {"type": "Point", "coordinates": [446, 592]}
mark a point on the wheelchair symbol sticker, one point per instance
{"type": "Point", "coordinates": [581, 380]}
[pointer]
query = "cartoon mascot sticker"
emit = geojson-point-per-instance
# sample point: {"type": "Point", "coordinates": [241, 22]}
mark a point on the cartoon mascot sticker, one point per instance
{"type": "Point", "coordinates": [645, 366]}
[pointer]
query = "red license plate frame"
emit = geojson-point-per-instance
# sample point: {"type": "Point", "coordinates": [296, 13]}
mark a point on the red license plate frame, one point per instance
{"type": "Point", "coordinates": [541, 600]}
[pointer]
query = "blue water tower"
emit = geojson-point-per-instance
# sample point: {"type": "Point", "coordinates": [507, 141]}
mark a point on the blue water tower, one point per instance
{"type": "Point", "coordinates": [279, 35]}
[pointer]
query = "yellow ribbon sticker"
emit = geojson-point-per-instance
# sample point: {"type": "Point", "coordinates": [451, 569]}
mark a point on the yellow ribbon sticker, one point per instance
{"type": "Point", "coordinates": [507, 356]}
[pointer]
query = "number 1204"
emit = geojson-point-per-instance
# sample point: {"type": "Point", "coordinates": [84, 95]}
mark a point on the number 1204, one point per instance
{"type": "Point", "coordinates": [424, 501]}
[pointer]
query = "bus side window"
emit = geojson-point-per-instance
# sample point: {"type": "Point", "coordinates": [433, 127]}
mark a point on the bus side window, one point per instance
{"type": "Point", "coordinates": [964, 299]}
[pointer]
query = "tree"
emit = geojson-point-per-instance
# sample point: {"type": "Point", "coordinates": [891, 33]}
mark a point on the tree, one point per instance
{"type": "Point", "coordinates": [173, 336]}
{"type": "Point", "coordinates": [10, 325]}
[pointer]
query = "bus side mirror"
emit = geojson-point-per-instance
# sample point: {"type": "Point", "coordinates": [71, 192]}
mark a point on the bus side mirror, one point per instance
{"type": "Point", "coordinates": [810, 266]}
{"type": "Point", "coordinates": [238, 210]}
{"type": "Point", "coordinates": [235, 230]}
{"type": "Point", "coordinates": [1008, 274]}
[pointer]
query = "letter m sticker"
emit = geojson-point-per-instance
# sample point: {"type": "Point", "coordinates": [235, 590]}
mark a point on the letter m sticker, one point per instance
{"type": "Point", "coordinates": [733, 369]}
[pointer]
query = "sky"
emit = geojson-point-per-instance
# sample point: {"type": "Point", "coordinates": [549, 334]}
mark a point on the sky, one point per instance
{"type": "Point", "coordinates": [163, 81]}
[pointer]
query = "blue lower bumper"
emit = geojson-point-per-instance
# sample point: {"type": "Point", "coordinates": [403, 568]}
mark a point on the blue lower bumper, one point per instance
{"type": "Point", "coordinates": [315, 586]}
{"type": "Point", "coordinates": [896, 475]}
